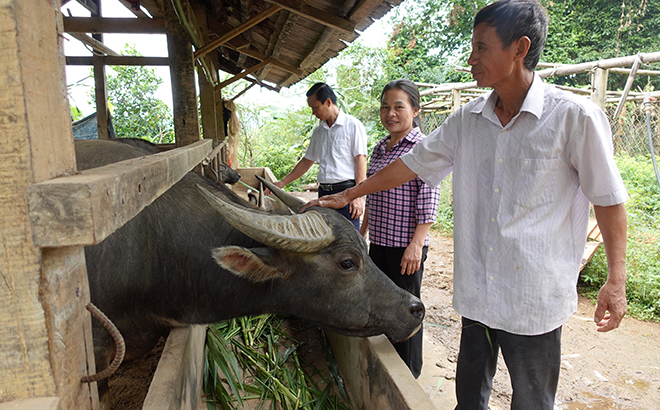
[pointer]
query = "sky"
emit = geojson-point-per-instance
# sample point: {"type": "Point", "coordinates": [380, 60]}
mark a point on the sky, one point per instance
{"type": "Point", "coordinates": [155, 45]}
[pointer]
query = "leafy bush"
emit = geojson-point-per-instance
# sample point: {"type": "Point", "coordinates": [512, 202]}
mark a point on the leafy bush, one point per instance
{"type": "Point", "coordinates": [643, 252]}
{"type": "Point", "coordinates": [444, 221]}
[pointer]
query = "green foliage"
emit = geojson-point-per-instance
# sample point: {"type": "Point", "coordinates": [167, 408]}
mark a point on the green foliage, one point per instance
{"type": "Point", "coordinates": [137, 113]}
{"type": "Point", "coordinates": [277, 141]}
{"type": "Point", "coordinates": [643, 252]}
{"type": "Point", "coordinates": [591, 30]}
{"type": "Point", "coordinates": [429, 38]}
{"type": "Point", "coordinates": [76, 114]}
{"type": "Point", "coordinates": [444, 221]}
{"type": "Point", "coordinates": [259, 361]}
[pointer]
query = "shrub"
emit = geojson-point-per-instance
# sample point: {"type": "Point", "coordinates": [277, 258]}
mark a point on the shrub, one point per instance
{"type": "Point", "coordinates": [643, 252]}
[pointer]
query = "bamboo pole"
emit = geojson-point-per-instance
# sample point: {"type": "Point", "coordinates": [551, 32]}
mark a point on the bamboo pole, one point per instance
{"type": "Point", "coordinates": [626, 89]}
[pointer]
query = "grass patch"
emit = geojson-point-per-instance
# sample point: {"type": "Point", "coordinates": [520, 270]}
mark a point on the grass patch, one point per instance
{"type": "Point", "coordinates": [643, 252]}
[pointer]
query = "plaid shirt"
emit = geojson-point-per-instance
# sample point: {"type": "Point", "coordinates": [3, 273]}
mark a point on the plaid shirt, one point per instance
{"type": "Point", "coordinates": [394, 214]}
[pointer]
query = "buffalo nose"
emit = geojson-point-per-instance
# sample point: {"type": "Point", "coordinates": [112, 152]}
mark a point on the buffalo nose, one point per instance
{"type": "Point", "coordinates": [417, 310]}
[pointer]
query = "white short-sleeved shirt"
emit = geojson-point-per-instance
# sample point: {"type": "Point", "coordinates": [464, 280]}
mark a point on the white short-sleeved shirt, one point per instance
{"type": "Point", "coordinates": [521, 203]}
{"type": "Point", "coordinates": [336, 147]}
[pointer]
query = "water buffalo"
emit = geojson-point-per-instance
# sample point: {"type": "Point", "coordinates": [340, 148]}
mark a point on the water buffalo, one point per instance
{"type": "Point", "coordinates": [200, 254]}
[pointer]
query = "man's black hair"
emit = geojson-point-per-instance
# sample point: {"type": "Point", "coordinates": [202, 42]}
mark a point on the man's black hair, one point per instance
{"type": "Point", "coordinates": [322, 91]}
{"type": "Point", "coordinates": [514, 19]}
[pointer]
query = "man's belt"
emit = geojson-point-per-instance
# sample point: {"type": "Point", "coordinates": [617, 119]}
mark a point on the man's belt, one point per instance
{"type": "Point", "coordinates": [338, 186]}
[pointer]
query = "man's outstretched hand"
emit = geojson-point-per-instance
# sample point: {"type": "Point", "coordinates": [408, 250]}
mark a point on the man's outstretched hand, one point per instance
{"type": "Point", "coordinates": [335, 201]}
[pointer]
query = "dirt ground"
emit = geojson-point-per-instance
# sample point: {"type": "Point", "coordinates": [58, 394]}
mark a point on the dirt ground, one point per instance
{"type": "Point", "coordinates": [602, 371]}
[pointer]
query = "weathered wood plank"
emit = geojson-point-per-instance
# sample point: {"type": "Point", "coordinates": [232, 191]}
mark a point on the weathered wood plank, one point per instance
{"type": "Point", "coordinates": [43, 348]}
{"type": "Point", "coordinates": [119, 60]}
{"type": "Point", "coordinates": [114, 25]}
{"type": "Point", "coordinates": [589, 250]}
{"type": "Point", "coordinates": [182, 75]}
{"type": "Point", "coordinates": [375, 375]}
{"type": "Point", "coordinates": [177, 383]}
{"type": "Point", "coordinates": [86, 208]}
{"type": "Point", "coordinates": [207, 48]}
{"type": "Point", "coordinates": [244, 73]}
{"type": "Point", "coordinates": [315, 14]}
{"type": "Point", "coordinates": [40, 403]}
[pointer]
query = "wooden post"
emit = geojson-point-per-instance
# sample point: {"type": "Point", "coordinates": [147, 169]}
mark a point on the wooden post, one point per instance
{"type": "Point", "coordinates": [455, 100]}
{"type": "Point", "coordinates": [100, 88]}
{"type": "Point", "coordinates": [206, 94]}
{"type": "Point", "coordinates": [182, 73]}
{"type": "Point", "coordinates": [46, 332]}
{"type": "Point", "coordinates": [599, 87]}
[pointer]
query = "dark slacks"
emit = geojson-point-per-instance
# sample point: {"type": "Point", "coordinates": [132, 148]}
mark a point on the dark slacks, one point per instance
{"type": "Point", "coordinates": [389, 261]}
{"type": "Point", "coordinates": [533, 363]}
{"type": "Point", "coordinates": [345, 210]}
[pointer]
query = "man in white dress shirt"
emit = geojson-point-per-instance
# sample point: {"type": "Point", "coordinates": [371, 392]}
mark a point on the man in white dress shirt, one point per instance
{"type": "Point", "coordinates": [527, 160]}
{"type": "Point", "coordinates": [339, 145]}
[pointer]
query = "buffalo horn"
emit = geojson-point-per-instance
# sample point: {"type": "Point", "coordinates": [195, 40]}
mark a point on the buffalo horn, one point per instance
{"type": "Point", "coordinates": [289, 200]}
{"type": "Point", "coordinates": [306, 232]}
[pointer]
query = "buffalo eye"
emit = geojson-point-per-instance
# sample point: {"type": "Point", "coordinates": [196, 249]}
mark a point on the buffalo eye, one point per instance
{"type": "Point", "coordinates": [347, 264]}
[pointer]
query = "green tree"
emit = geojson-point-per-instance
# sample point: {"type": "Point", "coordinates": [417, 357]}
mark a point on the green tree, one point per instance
{"type": "Point", "coordinates": [136, 111]}
{"type": "Point", "coordinates": [429, 39]}
{"type": "Point", "coordinates": [582, 31]}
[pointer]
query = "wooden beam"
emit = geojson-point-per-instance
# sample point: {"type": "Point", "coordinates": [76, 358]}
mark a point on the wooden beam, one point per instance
{"type": "Point", "coordinates": [46, 333]}
{"type": "Point", "coordinates": [243, 74]}
{"type": "Point", "coordinates": [120, 60]}
{"type": "Point", "coordinates": [91, 5]}
{"type": "Point", "coordinates": [113, 25]}
{"type": "Point", "coordinates": [182, 75]}
{"type": "Point", "coordinates": [316, 15]}
{"type": "Point", "coordinates": [93, 43]}
{"type": "Point", "coordinates": [138, 13]}
{"type": "Point", "coordinates": [242, 92]}
{"type": "Point", "coordinates": [618, 62]}
{"type": "Point", "coordinates": [263, 85]}
{"type": "Point", "coordinates": [319, 48]}
{"type": "Point", "coordinates": [236, 31]}
{"type": "Point", "coordinates": [154, 7]}
{"type": "Point", "coordinates": [84, 209]}
{"type": "Point", "coordinates": [258, 56]}
{"type": "Point", "coordinates": [277, 41]}
{"type": "Point", "coordinates": [363, 9]}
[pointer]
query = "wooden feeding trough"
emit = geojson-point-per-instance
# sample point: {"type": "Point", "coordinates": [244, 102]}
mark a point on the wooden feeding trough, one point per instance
{"type": "Point", "coordinates": [375, 376]}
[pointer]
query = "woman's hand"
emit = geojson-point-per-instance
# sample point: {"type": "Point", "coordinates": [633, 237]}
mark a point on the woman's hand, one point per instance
{"type": "Point", "coordinates": [412, 259]}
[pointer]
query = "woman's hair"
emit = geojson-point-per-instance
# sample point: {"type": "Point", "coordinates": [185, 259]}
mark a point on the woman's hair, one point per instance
{"type": "Point", "coordinates": [409, 88]}
{"type": "Point", "coordinates": [514, 19]}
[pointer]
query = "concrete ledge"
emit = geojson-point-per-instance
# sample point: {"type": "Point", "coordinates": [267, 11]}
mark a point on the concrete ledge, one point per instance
{"type": "Point", "coordinates": [375, 376]}
{"type": "Point", "coordinates": [177, 383]}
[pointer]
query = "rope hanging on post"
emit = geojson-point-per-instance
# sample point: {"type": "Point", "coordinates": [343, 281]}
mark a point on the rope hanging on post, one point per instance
{"type": "Point", "coordinates": [119, 343]}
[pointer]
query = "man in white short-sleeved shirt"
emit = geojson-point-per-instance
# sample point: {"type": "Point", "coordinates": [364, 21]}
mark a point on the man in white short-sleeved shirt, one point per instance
{"type": "Point", "coordinates": [339, 145]}
{"type": "Point", "coordinates": [527, 160]}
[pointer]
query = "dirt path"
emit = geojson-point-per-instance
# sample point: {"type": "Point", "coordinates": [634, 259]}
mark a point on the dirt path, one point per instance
{"type": "Point", "coordinates": [615, 370]}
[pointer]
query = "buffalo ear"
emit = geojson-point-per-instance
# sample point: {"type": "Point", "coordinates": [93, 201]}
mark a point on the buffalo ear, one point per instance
{"type": "Point", "coordinates": [244, 263]}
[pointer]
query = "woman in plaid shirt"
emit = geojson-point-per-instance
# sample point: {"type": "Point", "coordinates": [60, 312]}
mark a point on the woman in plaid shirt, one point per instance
{"type": "Point", "coordinates": [398, 220]}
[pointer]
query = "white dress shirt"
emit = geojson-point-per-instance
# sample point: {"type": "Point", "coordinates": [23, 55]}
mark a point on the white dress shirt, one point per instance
{"type": "Point", "coordinates": [521, 203]}
{"type": "Point", "coordinates": [336, 147]}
